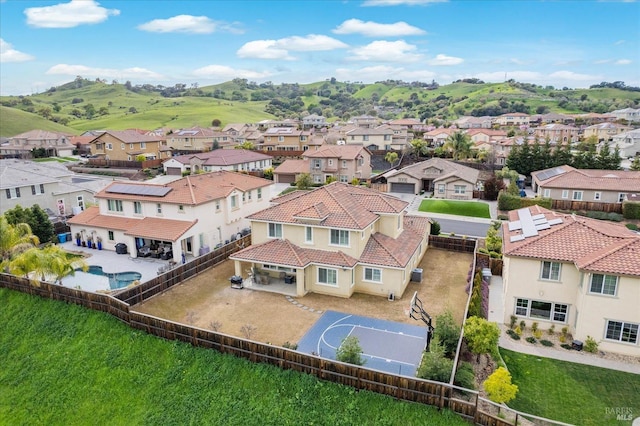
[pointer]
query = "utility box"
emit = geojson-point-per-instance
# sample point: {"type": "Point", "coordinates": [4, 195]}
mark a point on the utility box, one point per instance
{"type": "Point", "coordinates": [416, 275]}
{"type": "Point", "coordinates": [577, 345]}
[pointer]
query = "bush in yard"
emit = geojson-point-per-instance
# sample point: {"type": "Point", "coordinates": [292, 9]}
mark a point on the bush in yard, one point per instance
{"type": "Point", "coordinates": [523, 325]}
{"type": "Point", "coordinates": [499, 387]}
{"type": "Point", "coordinates": [537, 334]}
{"type": "Point", "coordinates": [513, 334]}
{"type": "Point", "coordinates": [518, 331]}
{"type": "Point", "coordinates": [481, 335]}
{"type": "Point", "coordinates": [590, 345]}
{"type": "Point", "coordinates": [566, 346]}
{"type": "Point", "coordinates": [547, 343]}
{"type": "Point", "coordinates": [631, 210]}
{"type": "Point", "coordinates": [435, 228]}
{"type": "Point", "coordinates": [512, 321]}
{"type": "Point", "coordinates": [447, 332]}
{"type": "Point", "coordinates": [531, 339]}
{"type": "Point", "coordinates": [350, 351]}
{"type": "Point", "coordinates": [632, 226]}
{"type": "Point", "coordinates": [465, 378]}
{"type": "Point", "coordinates": [435, 365]}
{"type": "Point", "coordinates": [551, 329]}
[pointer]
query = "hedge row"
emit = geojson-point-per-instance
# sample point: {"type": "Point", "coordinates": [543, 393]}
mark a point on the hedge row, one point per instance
{"type": "Point", "coordinates": [513, 202]}
{"type": "Point", "coordinates": [631, 210]}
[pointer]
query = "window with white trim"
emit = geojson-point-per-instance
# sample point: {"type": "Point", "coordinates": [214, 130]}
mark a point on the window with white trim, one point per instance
{"type": "Point", "coordinates": [603, 284]}
{"type": "Point", "coordinates": [109, 146]}
{"type": "Point", "coordinates": [143, 145]}
{"type": "Point", "coordinates": [339, 237]}
{"type": "Point", "coordinates": [234, 201]}
{"type": "Point", "coordinates": [344, 178]}
{"type": "Point", "coordinates": [565, 193]}
{"type": "Point", "coordinates": [217, 205]}
{"type": "Point", "coordinates": [373, 274]}
{"type": "Point", "coordinates": [459, 189]}
{"type": "Point", "coordinates": [308, 234]}
{"type": "Point", "coordinates": [158, 208]}
{"type": "Point", "coordinates": [328, 276]}
{"type": "Point", "coordinates": [137, 207]}
{"type": "Point", "coordinates": [441, 188]}
{"type": "Point", "coordinates": [597, 196]}
{"type": "Point", "coordinates": [114, 205]}
{"type": "Point", "coordinates": [317, 178]}
{"type": "Point", "coordinates": [344, 164]}
{"type": "Point", "coordinates": [550, 271]}
{"type": "Point", "coordinates": [37, 190]}
{"type": "Point", "coordinates": [537, 309]}
{"type": "Point", "coordinates": [577, 196]}
{"type": "Point", "coordinates": [275, 230]}
{"type": "Point", "coordinates": [259, 193]}
{"type": "Point", "coordinates": [621, 331]}
{"type": "Point", "coordinates": [122, 145]}
{"type": "Point", "coordinates": [546, 193]}
{"type": "Point", "coordinates": [621, 196]}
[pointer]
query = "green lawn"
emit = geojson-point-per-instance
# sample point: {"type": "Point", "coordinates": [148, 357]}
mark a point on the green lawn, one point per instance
{"type": "Point", "coordinates": [458, 208]}
{"type": "Point", "coordinates": [572, 393]}
{"type": "Point", "coordinates": [66, 365]}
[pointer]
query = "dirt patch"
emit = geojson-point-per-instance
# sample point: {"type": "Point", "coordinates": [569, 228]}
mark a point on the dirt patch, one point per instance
{"type": "Point", "coordinates": [208, 301]}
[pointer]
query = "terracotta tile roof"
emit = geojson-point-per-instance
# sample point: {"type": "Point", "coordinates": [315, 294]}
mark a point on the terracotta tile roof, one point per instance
{"type": "Point", "coordinates": [131, 136]}
{"type": "Point", "coordinates": [606, 180]}
{"type": "Point", "coordinates": [285, 253]}
{"type": "Point", "coordinates": [82, 140]}
{"type": "Point", "coordinates": [293, 166]}
{"type": "Point", "coordinates": [347, 152]}
{"type": "Point", "coordinates": [148, 227]}
{"type": "Point", "coordinates": [223, 157]}
{"type": "Point", "coordinates": [386, 251]}
{"type": "Point", "coordinates": [350, 207]}
{"type": "Point", "coordinates": [446, 169]}
{"type": "Point", "coordinates": [195, 189]}
{"type": "Point", "coordinates": [588, 243]}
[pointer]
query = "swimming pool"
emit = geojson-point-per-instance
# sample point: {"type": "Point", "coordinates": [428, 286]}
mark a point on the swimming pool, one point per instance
{"type": "Point", "coordinates": [116, 280]}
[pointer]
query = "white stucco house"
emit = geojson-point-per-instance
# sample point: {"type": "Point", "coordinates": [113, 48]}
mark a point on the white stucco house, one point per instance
{"type": "Point", "coordinates": [628, 143]}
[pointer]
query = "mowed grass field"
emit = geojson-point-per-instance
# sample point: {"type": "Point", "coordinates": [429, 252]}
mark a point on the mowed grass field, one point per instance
{"type": "Point", "coordinates": [66, 365]}
{"type": "Point", "coordinates": [458, 208]}
{"type": "Point", "coordinates": [572, 393]}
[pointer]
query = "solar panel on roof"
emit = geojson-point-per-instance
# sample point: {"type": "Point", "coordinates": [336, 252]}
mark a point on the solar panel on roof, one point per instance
{"type": "Point", "coordinates": [515, 225]}
{"type": "Point", "coordinates": [145, 190]}
{"type": "Point", "coordinates": [515, 238]}
{"type": "Point", "coordinates": [538, 217]}
{"type": "Point", "coordinates": [542, 226]}
{"type": "Point", "coordinates": [555, 221]}
{"type": "Point", "coordinates": [528, 228]}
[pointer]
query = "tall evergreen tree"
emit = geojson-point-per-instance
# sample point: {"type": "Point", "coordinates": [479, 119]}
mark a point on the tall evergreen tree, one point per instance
{"type": "Point", "coordinates": [41, 226]}
{"type": "Point", "coordinates": [562, 156]}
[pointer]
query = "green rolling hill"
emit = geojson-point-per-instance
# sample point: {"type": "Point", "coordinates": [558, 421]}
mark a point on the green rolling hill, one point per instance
{"type": "Point", "coordinates": [14, 121]}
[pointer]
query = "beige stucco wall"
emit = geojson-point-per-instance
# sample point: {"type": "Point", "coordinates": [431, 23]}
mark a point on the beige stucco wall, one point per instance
{"type": "Point", "coordinates": [587, 195]}
{"type": "Point", "coordinates": [449, 190]}
{"type": "Point", "coordinates": [118, 153]}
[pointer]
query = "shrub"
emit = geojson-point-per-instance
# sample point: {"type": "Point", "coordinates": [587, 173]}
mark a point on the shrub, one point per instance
{"type": "Point", "coordinates": [499, 387]}
{"type": "Point", "coordinates": [481, 335]}
{"type": "Point", "coordinates": [513, 202]}
{"type": "Point", "coordinates": [630, 210]}
{"type": "Point", "coordinates": [513, 334]}
{"type": "Point", "coordinates": [531, 339]}
{"type": "Point", "coordinates": [288, 345]}
{"type": "Point", "coordinates": [465, 378]}
{"type": "Point", "coordinates": [350, 351]}
{"type": "Point", "coordinates": [562, 338]}
{"type": "Point", "coordinates": [565, 331]}
{"type": "Point", "coordinates": [537, 334]}
{"type": "Point", "coordinates": [435, 366]}
{"type": "Point", "coordinates": [546, 342]}
{"type": "Point", "coordinates": [518, 331]}
{"type": "Point", "coordinates": [523, 325]}
{"type": "Point", "coordinates": [590, 345]}
{"type": "Point", "coordinates": [632, 226]}
{"type": "Point", "coordinates": [512, 321]}
{"type": "Point", "coordinates": [551, 329]}
{"type": "Point", "coordinates": [448, 332]}
{"type": "Point", "coordinates": [534, 326]}
{"type": "Point", "coordinates": [435, 228]}
{"type": "Point", "coordinates": [566, 346]}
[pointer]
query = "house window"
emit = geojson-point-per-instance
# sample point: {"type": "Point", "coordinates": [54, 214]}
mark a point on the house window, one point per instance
{"type": "Point", "coordinates": [275, 230]}
{"type": "Point", "coordinates": [622, 331]}
{"type": "Point", "coordinates": [308, 234]}
{"type": "Point", "coordinates": [80, 200]}
{"type": "Point", "coordinates": [122, 146]}
{"type": "Point", "coordinates": [365, 138]}
{"type": "Point", "coordinates": [217, 205]}
{"type": "Point", "coordinates": [546, 193]}
{"type": "Point", "coordinates": [131, 145]}
{"type": "Point", "coordinates": [114, 205]}
{"type": "Point", "coordinates": [603, 284]}
{"type": "Point", "coordinates": [259, 193]}
{"type": "Point", "coordinates": [244, 197]}
{"type": "Point", "coordinates": [234, 201]}
{"type": "Point", "coordinates": [330, 161]}
{"type": "Point", "coordinates": [565, 193]}
{"type": "Point", "coordinates": [109, 146]}
{"type": "Point", "coordinates": [317, 178]}
{"type": "Point", "coordinates": [597, 196]}
{"type": "Point", "coordinates": [328, 276]}
{"type": "Point", "coordinates": [339, 237]}
{"type": "Point", "coordinates": [137, 207]}
{"type": "Point", "coordinates": [280, 138]}
{"type": "Point", "coordinates": [621, 197]}
{"type": "Point", "coordinates": [550, 271]}
{"type": "Point", "coordinates": [577, 196]}
{"type": "Point", "coordinates": [373, 274]}
{"type": "Point", "coordinates": [344, 164]}
{"type": "Point", "coordinates": [180, 208]}
{"type": "Point", "coordinates": [249, 195]}
{"type": "Point", "coordinates": [110, 235]}
{"type": "Point", "coordinates": [542, 310]}
{"type": "Point", "coordinates": [441, 187]}
{"type": "Point", "coordinates": [459, 189]}
{"type": "Point", "coordinates": [143, 145]}
{"type": "Point", "coordinates": [37, 190]}
{"type": "Point", "coordinates": [159, 208]}
{"type": "Point", "coordinates": [316, 164]}
{"type": "Point", "coordinates": [344, 178]}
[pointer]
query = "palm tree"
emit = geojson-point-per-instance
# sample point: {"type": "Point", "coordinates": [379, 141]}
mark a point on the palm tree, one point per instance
{"type": "Point", "coordinates": [51, 263]}
{"type": "Point", "coordinates": [459, 144]}
{"type": "Point", "coordinates": [391, 157]}
{"type": "Point", "coordinates": [14, 239]}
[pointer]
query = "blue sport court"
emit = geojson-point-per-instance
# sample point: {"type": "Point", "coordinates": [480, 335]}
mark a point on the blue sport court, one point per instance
{"type": "Point", "coordinates": [386, 345]}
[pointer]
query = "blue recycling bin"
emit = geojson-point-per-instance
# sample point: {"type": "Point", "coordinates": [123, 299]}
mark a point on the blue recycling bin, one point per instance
{"type": "Point", "coordinates": [62, 238]}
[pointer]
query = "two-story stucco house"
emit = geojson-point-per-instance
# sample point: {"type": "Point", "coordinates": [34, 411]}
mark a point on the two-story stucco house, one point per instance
{"type": "Point", "coordinates": [55, 144]}
{"type": "Point", "coordinates": [378, 138]}
{"type": "Point", "coordinates": [604, 131]}
{"type": "Point", "coordinates": [444, 178]}
{"type": "Point", "coordinates": [187, 216]}
{"type": "Point", "coordinates": [512, 119]}
{"type": "Point", "coordinates": [49, 185]}
{"type": "Point", "coordinates": [196, 139]}
{"type": "Point", "coordinates": [565, 183]}
{"type": "Point", "coordinates": [569, 271]}
{"type": "Point", "coordinates": [338, 239]}
{"type": "Point", "coordinates": [127, 145]}
{"type": "Point", "coordinates": [628, 143]}
{"type": "Point", "coordinates": [285, 138]}
{"type": "Point", "coordinates": [557, 133]}
{"type": "Point", "coordinates": [220, 159]}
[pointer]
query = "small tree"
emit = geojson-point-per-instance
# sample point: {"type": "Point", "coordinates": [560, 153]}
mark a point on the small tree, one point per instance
{"type": "Point", "coordinates": [216, 122]}
{"type": "Point", "coordinates": [482, 335]}
{"type": "Point", "coordinates": [447, 332]}
{"type": "Point", "coordinates": [499, 387]}
{"type": "Point", "coordinates": [391, 157]}
{"type": "Point", "coordinates": [435, 228]}
{"type": "Point", "coordinates": [435, 365]}
{"type": "Point", "coordinates": [304, 181]}
{"type": "Point", "coordinates": [350, 351]}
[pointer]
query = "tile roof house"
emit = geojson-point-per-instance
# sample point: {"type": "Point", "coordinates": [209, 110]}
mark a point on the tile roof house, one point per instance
{"type": "Point", "coordinates": [187, 216]}
{"type": "Point", "coordinates": [557, 133]}
{"type": "Point", "coordinates": [284, 138]}
{"type": "Point", "coordinates": [446, 179]}
{"type": "Point", "coordinates": [50, 185]}
{"type": "Point", "coordinates": [469, 122]}
{"type": "Point", "coordinates": [629, 114]}
{"type": "Point", "coordinates": [126, 145]}
{"type": "Point", "coordinates": [220, 159]}
{"type": "Point", "coordinates": [373, 138]}
{"type": "Point", "coordinates": [337, 240]}
{"type": "Point", "coordinates": [571, 271]}
{"type": "Point", "coordinates": [55, 144]}
{"type": "Point", "coordinates": [628, 143]}
{"type": "Point", "coordinates": [195, 139]}
{"type": "Point", "coordinates": [567, 184]}
{"type": "Point", "coordinates": [512, 119]}
{"type": "Point", "coordinates": [604, 131]}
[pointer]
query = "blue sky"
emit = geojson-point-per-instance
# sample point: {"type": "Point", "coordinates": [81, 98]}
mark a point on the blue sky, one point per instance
{"type": "Point", "coordinates": [559, 43]}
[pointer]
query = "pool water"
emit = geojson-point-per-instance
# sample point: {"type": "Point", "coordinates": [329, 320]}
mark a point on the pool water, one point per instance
{"type": "Point", "coordinates": [117, 280]}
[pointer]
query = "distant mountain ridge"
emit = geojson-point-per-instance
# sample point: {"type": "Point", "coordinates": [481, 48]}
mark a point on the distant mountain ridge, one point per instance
{"type": "Point", "coordinates": [84, 104]}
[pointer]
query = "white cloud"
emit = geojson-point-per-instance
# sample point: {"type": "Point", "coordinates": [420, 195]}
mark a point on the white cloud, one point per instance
{"type": "Point", "coordinates": [386, 51]}
{"type": "Point", "coordinates": [382, 72]}
{"type": "Point", "coordinates": [180, 24]}
{"type": "Point", "coordinates": [602, 61]}
{"type": "Point", "coordinates": [225, 72]}
{"type": "Point", "coordinates": [400, 2]}
{"type": "Point", "coordinates": [572, 76]}
{"type": "Point", "coordinates": [279, 49]}
{"type": "Point", "coordinates": [135, 72]}
{"type": "Point", "coordinates": [312, 42]}
{"type": "Point", "coordinates": [374, 29]}
{"type": "Point", "coordinates": [619, 42]}
{"type": "Point", "coordinates": [9, 54]}
{"type": "Point", "coordinates": [263, 49]}
{"type": "Point", "coordinates": [68, 15]}
{"type": "Point", "coordinates": [441, 60]}
{"type": "Point", "coordinates": [623, 62]}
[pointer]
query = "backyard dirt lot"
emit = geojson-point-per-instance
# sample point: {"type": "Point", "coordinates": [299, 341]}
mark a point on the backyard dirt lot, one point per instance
{"type": "Point", "coordinates": [208, 301]}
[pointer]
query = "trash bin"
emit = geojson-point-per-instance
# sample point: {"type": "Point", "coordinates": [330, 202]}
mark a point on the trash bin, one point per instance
{"type": "Point", "coordinates": [62, 238]}
{"type": "Point", "coordinates": [577, 345]}
{"type": "Point", "coordinates": [236, 281]}
{"type": "Point", "coordinates": [416, 275]}
{"type": "Point", "coordinates": [121, 248]}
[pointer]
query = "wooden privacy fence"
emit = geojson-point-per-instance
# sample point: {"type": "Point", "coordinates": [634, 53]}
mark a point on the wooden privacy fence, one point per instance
{"type": "Point", "coordinates": [123, 164]}
{"type": "Point", "coordinates": [465, 245]}
{"type": "Point", "coordinates": [586, 206]}
{"type": "Point", "coordinates": [142, 292]}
